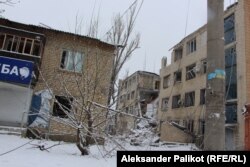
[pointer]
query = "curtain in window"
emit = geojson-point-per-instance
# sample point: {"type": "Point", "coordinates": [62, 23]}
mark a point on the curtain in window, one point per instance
{"type": "Point", "coordinates": [73, 61]}
{"type": "Point", "coordinates": [78, 61]}
{"type": "Point", "coordinates": [68, 63]}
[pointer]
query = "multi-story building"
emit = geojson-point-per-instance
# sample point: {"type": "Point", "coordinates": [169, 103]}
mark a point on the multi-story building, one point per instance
{"type": "Point", "coordinates": [135, 92]}
{"type": "Point", "coordinates": [69, 65]}
{"type": "Point", "coordinates": [183, 88]}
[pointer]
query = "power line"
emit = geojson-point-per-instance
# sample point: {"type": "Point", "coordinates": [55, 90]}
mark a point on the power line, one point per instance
{"type": "Point", "coordinates": [14, 149]}
{"type": "Point", "coordinates": [124, 14]}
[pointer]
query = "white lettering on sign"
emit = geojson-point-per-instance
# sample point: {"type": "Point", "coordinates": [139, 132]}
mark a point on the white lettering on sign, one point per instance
{"type": "Point", "coordinates": [5, 69]}
{"type": "Point", "coordinates": [23, 72]}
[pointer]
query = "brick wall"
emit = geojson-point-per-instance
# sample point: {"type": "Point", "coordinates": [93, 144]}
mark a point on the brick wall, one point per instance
{"type": "Point", "coordinates": [92, 84]}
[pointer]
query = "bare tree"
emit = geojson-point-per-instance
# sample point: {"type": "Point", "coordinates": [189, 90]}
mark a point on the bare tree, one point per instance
{"type": "Point", "coordinates": [126, 41]}
{"type": "Point", "coordinates": [80, 90]}
{"type": "Point", "coordinates": [7, 2]}
{"type": "Point", "coordinates": [94, 84]}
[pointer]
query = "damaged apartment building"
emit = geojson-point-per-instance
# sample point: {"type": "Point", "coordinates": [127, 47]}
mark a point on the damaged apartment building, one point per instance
{"type": "Point", "coordinates": [42, 65]}
{"type": "Point", "coordinates": [135, 92]}
{"type": "Point", "coordinates": [182, 92]}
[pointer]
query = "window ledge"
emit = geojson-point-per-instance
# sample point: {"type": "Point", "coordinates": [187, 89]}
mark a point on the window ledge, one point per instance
{"type": "Point", "coordinates": [69, 72]}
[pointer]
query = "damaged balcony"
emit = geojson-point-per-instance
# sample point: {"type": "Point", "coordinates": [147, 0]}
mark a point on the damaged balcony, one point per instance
{"type": "Point", "coordinates": [23, 45]}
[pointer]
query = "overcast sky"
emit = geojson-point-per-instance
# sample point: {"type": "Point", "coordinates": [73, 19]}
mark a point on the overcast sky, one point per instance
{"type": "Point", "coordinates": [161, 23]}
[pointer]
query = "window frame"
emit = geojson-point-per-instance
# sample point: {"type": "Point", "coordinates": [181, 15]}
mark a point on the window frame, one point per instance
{"type": "Point", "coordinates": [166, 81]}
{"type": "Point", "coordinates": [21, 45]}
{"type": "Point", "coordinates": [73, 52]}
{"type": "Point", "coordinates": [203, 96]}
{"type": "Point", "coordinates": [191, 45]}
{"type": "Point", "coordinates": [178, 53]}
{"type": "Point", "coordinates": [175, 76]}
{"type": "Point", "coordinates": [175, 101]}
{"type": "Point", "coordinates": [190, 73]}
{"type": "Point", "coordinates": [164, 106]}
{"type": "Point", "coordinates": [189, 102]}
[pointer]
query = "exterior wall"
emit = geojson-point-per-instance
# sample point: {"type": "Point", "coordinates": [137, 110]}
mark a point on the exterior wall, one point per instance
{"type": "Point", "coordinates": [143, 85]}
{"type": "Point", "coordinates": [241, 72]}
{"type": "Point", "coordinates": [97, 62]}
{"type": "Point", "coordinates": [242, 32]}
{"type": "Point", "coordinates": [177, 136]}
{"type": "Point", "coordinates": [15, 103]}
{"type": "Point", "coordinates": [196, 84]}
{"type": "Point", "coordinates": [92, 83]}
{"type": "Point", "coordinates": [246, 34]}
{"type": "Point", "coordinates": [15, 91]}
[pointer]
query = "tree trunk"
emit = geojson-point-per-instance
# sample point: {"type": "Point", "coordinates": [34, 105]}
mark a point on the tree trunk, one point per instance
{"type": "Point", "coordinates": [81, 145]}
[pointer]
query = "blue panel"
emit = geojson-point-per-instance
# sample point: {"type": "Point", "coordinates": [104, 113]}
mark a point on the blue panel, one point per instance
{"type": "Point", "coordinates": [15, 70]}
{"type": "Point", "coordinates": [35, 108]}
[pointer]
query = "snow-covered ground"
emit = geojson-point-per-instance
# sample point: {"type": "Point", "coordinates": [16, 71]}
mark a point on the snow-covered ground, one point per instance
{"type": "Point", "coordinates": [65, 154]}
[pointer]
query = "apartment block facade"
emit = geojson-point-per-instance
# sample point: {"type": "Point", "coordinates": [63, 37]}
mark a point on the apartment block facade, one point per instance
{"type": "Point", "coordinates": [135, 92]}
{"type": "Point", "coordinates": [183, 88]}
{"type": "Point", "coordinates": [64, 63]}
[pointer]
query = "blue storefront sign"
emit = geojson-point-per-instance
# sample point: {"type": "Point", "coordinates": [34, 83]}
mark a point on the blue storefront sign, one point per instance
{"type": "Point", "coordinates": [15, 70]}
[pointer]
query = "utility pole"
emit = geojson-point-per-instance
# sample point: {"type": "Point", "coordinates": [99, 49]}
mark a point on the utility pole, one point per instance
{"type": "Point", "coordinates": [214, 138]}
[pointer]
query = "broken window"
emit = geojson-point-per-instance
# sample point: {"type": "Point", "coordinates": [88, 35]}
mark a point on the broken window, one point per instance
{"type": "Point", "coordinates": [19, 44]}
{"type": "Point", "coordinates": [191, 46]}
{"type": "Point", "coordinates": [190, 126]}
{"type": "Point", "coordinates": [62, 106]}
{"type": "Point", "coordinates": [2, 36]}
{"type": "Point", "coordinates": [177, 76]}
{"type": "Point", "coordinates": [72, 61]}
{"type": "Point", "coordinates": [132, 94]}
{"type": "Point", "coordinates": [125, 85]}
{"type": "Point", "coordinates": [202, 96]}
{"type": "Point", "coordinates": [157, 85]}
{"type": "Point", "coordinates": [126, 109]}
{"type": "Point", "coordinates": [8, 42]}
{"type": "Point", "coordinates": [176, 101]}
{"type": "Point", "coordinates": [189, 99]}
{"type": "Point", "coordinates": [36, 48]}
{"type": "Point", "coordinates": [229, 30]}
{"type": "Point", "coordinates": [204, 65]}
{"type": "Point", "coordinates": [202, 126]}
{"type": "Point", "coordinates": [190, 73]}
{"type": "Point", "coordinates": [178, 53]}
{"type": "Point", "coordinates": [28, 46]}
{"type": "Point", "coordinates": [128, 96]}
{"type": "Point", "coordinates": [164, 104]}
{"type": "Point", "coordinates": [166, 81]}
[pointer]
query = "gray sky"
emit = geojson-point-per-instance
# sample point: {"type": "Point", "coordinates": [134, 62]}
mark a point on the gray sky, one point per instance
{"type": "Point", "coordinates": [161, 23]}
